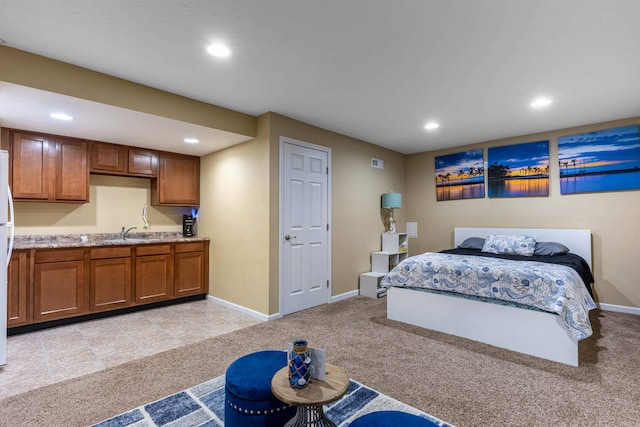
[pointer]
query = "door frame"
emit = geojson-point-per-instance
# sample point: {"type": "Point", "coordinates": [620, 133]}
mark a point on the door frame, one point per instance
{"type": "Point", "coordinates": [292, 141]}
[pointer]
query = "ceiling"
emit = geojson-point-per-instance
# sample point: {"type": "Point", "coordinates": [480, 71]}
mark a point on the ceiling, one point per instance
{"type": "Point", "coordinates": [370, 69]}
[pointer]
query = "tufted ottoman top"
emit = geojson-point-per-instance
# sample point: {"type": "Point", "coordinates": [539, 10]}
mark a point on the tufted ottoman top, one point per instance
{"type": "Point", "coordinates": [249, 377]}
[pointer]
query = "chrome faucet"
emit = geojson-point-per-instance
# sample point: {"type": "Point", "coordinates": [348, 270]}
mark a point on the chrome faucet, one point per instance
{"type": "Point", "coordinates": [123, 233]}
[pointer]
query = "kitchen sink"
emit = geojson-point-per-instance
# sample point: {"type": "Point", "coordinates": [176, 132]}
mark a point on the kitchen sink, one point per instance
{"type": "Point", "coordinates": [127, 241]}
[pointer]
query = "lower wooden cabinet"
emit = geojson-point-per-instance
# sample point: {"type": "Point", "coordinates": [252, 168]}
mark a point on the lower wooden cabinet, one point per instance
{"type": "Point", "coordinates": [190, 271]}
{"type": "Point", "coordinates": [110, 282]}
{"type": "Point", "coordinates": [154, 273]}
{"type": "Point", "coordinates": [53, 284]}
{"type": "Point", "coordinates": [58, 284]}
{"type": "Point", "coordinates": [17, 289]}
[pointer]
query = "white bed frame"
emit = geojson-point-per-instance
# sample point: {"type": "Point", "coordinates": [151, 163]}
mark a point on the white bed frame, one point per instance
{"type": "Point", "coordinates": [531, 332]}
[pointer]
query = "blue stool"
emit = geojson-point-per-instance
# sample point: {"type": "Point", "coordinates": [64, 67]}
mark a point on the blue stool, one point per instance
{"type": "Point", "coordinates": [391, 419]}
{"type": "Point", "coordinates": [249, 401]}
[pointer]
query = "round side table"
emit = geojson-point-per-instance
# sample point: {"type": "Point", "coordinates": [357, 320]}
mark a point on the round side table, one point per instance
{"type": "Point", "coordinates": [310, 400]}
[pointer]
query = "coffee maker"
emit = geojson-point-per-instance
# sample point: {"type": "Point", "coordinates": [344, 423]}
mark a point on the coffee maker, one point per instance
{"type": "Point", "coordinates": [188, 226]}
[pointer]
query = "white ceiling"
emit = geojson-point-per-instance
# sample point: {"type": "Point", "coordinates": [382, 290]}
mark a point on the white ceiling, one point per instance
{"type": "Point", "coordinates": [371, 69]}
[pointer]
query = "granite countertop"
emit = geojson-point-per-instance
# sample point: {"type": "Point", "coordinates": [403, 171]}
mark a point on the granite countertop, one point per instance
{"type": "Point", "coordinates": [53, 241]}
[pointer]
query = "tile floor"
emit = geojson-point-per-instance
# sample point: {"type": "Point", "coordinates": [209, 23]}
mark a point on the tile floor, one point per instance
{"type": "Point", "coordinates": [45, 357]}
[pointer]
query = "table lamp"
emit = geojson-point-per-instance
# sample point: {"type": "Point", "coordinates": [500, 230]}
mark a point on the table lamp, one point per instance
{"type": "Point", "coordinates": [391, 201]}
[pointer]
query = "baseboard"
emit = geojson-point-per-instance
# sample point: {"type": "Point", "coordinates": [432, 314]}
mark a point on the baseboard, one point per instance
{"type": "Point", "coordinates": [343, 296]}
{"type": "Point", "coordinates": [619, 308]}
{"type": "Point", "coordinates": [268, 317]}
{"type": "Point", "coordinates": [243, 309]}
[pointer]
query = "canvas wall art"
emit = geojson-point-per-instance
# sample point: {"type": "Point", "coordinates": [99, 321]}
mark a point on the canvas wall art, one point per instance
{"type": "Point", "coordinates": [520, 170]}
{"type": "Point", "coordinates": [460, 175]}
{"type": "Point", "coordinates": [605, 160]}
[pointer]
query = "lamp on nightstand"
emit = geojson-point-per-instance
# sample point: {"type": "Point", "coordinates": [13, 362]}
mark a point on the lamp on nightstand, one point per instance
{"type": "Point", "coordinates": [391, 201]}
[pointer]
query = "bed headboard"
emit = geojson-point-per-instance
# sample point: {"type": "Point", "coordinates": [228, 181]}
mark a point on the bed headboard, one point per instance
{"type": "Point", "coordinates": [578, 241]}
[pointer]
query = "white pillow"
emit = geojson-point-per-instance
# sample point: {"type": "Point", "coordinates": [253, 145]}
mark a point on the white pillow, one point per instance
{"type": "Point", "coordinates": [510, 244]}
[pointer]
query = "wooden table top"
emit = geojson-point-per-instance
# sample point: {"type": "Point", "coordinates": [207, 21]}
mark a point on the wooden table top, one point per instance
{"type": "Point", "coordinates": [316, 393]}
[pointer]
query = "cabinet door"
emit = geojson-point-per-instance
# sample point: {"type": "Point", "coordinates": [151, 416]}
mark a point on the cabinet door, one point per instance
{"type": "Point", "coordinates": [72, 176]}
{"type": "Point", "coordinates": [154, 275]}
{"type": "Point", "coordinates": [189, 274]}
{"type": "Point", "coordinates": [58, 290]}
{"type": "Point", "coordinates": [108, 158]}
{"type": "Point", "coordinates": [110, 286]}
{"type": "Point", "coordinates": [178, 182]}
{"type": "Point", "coordinates": [31, 166]}
{"type": "Point", "coordinates": [18, 285]}
{"type": "Point", "coordinates": [143, 162]}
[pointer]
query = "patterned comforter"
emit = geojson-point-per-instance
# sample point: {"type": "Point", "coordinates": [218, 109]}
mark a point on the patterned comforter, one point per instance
{"type": "Point", "coordinates": [554, 288]}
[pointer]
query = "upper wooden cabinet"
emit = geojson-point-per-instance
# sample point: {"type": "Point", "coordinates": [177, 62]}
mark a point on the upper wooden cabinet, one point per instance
{"type": "Point", "coordinates": [49, 168]}
{"type": "Point", "coordinates": [113, 159]}
{"type": "Point", "coordinates": [178, 182]}
{"type": "Point", "coordinates": [143, 162]}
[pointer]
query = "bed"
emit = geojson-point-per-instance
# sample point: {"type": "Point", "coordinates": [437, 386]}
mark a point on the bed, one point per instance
{"type": "Point", "coordinates": [549, 332]}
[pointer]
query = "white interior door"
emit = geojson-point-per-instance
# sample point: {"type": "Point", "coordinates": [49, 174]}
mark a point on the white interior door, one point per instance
{"type": "Point", "coordinates": [304, 219]}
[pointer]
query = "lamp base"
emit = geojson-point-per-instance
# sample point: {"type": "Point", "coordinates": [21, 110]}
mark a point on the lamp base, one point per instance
{"type": "Point", "coordinates": [392, 226]}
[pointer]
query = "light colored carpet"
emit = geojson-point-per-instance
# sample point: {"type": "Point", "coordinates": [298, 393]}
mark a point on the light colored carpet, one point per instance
{"type": "Point", "coordinates": [462, 382]}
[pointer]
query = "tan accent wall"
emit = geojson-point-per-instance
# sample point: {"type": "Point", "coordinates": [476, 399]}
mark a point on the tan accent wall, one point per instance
{"type": "Point", "coordinates": [234, 213]}
{"type": "Point", "coordinates": [612, 217]}
{"type": "Point", "coordinates": [115, 202]}
{"type": "Point", "coordinates": [240, 190]}
{"type": "Point", "coordinates": [38, 72]}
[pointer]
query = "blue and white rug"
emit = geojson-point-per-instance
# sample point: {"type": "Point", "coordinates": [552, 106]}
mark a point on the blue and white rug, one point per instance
{"type": "Point", "coordinates": [203, 405]}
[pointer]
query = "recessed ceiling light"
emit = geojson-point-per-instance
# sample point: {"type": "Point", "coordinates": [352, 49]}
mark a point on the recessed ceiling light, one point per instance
{"type": "Point", "coordinates": [219, 50]}
{"type": "Point", "coordinates": [60, 116]}
{"type": "Point", "coordinates": [191, 140]}
{"type": "Point", "coordinates": [541, 102]}
{"type": "Point", "coordinates": [431, 126]}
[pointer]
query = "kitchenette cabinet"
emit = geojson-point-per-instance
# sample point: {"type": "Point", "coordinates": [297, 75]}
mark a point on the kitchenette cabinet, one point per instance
{"type": "Point", "coordinates": [178, 182]}
{"type": "Point", "coordinates": [59, 284]}
{"type": "Point", "coordinates": [17, 289]}
{"type": "Point", "coordinates": [50, 284]}
{"type": "Point", "coordinates": [110, 278]}
{"type": "Point", "coordinates": [191, 268]}
{"type": "Point", "coordinates": [48, 168]}
{"type": "Point", "coordinates": [154, 273]}
{"type": "Point", "coordinates": [52, 168]}
{"type": "Point", "coordinates": [114, 159]}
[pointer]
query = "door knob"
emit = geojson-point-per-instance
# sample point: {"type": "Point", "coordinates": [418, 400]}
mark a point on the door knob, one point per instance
{"type": "Point", "coordinates": [287, 237]}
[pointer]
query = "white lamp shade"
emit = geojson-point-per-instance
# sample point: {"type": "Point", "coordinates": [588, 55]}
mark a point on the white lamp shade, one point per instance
{"type": "Point", "coordinates": [392, 200]}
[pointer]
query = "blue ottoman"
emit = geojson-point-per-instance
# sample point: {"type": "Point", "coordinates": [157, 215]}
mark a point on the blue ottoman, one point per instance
{"type": "Point", "coordinates": [249, 401]}
{"type": "Point", "coordinates": [391, 419]}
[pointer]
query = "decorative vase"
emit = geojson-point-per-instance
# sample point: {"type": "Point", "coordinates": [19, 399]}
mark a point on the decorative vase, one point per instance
{"type": "Point", "coordinates": [299, 365]}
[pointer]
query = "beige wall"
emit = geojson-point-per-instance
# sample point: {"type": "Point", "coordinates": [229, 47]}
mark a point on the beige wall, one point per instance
{"type": "Point", "coordinates": [613, 217]}
{"type": "Point", "coordinates": [240, 190]}
{"type": "Point", "coordinates": [234, 213]}
{"type": "Point", "coordinates": [114, 202]}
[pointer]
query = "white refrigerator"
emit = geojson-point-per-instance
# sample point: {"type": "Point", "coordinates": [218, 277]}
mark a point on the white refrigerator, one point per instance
{"type": "Point", "coordinates": [6, 246]}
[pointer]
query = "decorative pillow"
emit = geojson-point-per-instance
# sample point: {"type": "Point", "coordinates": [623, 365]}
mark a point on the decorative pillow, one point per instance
{"type": "Point", "coordinates": [472, 243]}
{"type": "Point", "coordinates": [510, 244]}
{"type": "Point", "coordinates": [550, 248]}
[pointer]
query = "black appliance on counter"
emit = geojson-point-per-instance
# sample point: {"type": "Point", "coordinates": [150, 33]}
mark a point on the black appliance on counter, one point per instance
{"type": "Point", "coordinates": [188, 226]}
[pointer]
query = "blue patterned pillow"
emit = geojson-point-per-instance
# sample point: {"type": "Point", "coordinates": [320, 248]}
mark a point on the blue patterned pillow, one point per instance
{"type": "Point", "coordinates": [510, 244]}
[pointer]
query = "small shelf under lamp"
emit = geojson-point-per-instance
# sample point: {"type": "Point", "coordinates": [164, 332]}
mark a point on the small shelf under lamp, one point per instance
{"type": "Point", "coordinates": [391, 201]}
